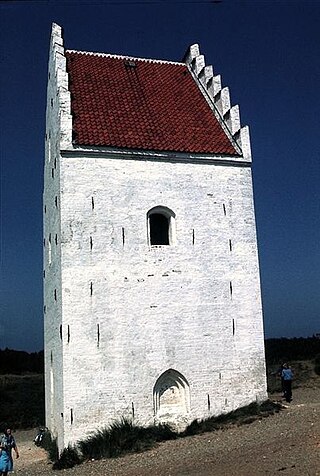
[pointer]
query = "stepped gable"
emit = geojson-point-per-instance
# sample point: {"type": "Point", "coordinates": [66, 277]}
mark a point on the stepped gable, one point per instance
{"type": "Point", "coordinates": [141, 104]}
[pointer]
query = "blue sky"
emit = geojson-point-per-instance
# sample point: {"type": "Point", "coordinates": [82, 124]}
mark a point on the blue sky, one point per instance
{"type": "Point", "coordinates": [267, 53]}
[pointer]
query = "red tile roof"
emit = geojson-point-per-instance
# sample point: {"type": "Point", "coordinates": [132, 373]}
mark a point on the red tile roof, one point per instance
{"type": "Point", "coordinates": [140, 104]}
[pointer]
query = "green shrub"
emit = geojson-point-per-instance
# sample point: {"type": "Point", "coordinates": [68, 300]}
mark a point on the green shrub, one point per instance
{"type": "Point", "coordinates": [22, 400]}
{"type": "Point", "coordinates": [243, 415]}
{"type": "Point", "coordinates": [296, 348]}
{"type": "Point", "coordinates": [317, 364]}
{"type": "Point", "coordinates": [123, 437]}
{"type": "Point", "coordinates": [68, 458]}
{"type": "Point", "coordinates": [50, 445]}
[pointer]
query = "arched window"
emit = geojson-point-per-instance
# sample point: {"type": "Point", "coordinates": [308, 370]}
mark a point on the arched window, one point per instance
{"type": "Point", "coordinates": [161, 221]}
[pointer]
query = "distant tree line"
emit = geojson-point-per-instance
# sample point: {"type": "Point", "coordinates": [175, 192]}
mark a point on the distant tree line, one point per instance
{"type": "Point", "coordinates": [19, 362]}
{"type": "Point", "coordinates": [296, 348]}
{"type": "Point", "coordinates": [277, 350]}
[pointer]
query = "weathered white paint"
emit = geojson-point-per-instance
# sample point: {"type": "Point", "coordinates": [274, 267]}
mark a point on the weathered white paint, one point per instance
{"type": "Point", "coordinates": [146, 332]}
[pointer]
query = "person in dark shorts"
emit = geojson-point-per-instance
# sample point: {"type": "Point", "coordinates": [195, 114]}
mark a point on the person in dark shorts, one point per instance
{"type": "Point", "coordinates": [287, 376]}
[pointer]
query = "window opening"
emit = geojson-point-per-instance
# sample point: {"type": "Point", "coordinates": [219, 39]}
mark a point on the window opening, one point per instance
{"type": "Point", "coordinates": [161, 221]}
{"type": "Point", "coordinates": [159, 229]}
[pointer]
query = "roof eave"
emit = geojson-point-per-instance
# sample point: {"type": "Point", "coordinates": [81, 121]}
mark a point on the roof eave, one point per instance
{"type": "Point", "coordinates": [153, 155]}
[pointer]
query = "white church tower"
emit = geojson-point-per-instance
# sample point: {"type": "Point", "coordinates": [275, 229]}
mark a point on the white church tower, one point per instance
{"type": "Point", "coordinates": [152, 301]}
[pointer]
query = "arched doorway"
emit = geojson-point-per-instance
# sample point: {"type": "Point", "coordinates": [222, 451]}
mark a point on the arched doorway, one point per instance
{"type": "Point", "coordinates": [171, 397]}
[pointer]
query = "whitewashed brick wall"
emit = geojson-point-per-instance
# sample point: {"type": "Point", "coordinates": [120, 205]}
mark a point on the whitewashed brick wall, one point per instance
{"type": "Point", "coordinates": [163, 307]}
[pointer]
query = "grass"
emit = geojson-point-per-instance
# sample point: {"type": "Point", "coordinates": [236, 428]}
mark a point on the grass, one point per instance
{"type": "Point", "coordinates": [22, 406]}
{"type": "Point", "coordinates": [241, 416]}
{"type": "Point", "coordinates": [51, 447]}
{"type": "Point", "coordinates": [317, 364]}
{"type": "Point", "coordinates": [304, 373]}
{"type": "Point", "coordinates": [69, 458]}
{"type": "Point", "coordinates": [22, 400]}
{"type": "Point", "coordinates": [124, 437]}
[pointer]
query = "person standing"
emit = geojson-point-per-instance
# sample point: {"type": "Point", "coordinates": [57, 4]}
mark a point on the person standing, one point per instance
{"type": "Point", "coordinates": [287, 376]}
{"type": "Point", "coordinates": [7, 444]}
{"type": "Point", "coordinates": [279, 374]}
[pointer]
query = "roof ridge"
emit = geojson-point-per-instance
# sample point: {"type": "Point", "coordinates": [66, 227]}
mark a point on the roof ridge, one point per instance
{"type": "Point", "coordinates": [126, 57]}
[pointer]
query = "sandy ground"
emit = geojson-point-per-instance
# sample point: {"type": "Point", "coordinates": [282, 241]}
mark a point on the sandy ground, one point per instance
{"type": "Point", "coordinates": [285, 443]}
